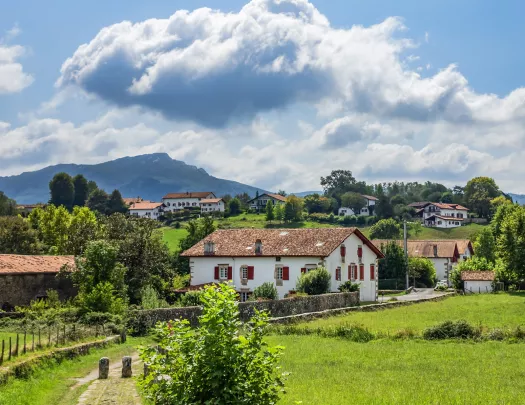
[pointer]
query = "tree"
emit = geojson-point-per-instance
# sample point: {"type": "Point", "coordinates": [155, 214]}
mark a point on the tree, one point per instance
{"type": "Point", "coordinates": [92, 186]}
{"type": "Point", "coordinates": [385, 229]}
{"type": "Point", "coordinates": [98, 201]}
{"type": "Point", "coordinates": [197, 230]}
{"type": "Point", "coordinates": [353, 200]}
{"type": "Point", "coordinates": [243, 198]}
{"type": "Point", "coordinates": [7, 205]}
{"type": "Point", "coordinates": [316, 203]}
{"type": "Point", "coordinates": [479, 192]}
{"type": "Point", "coordinates": [234, 206]}
{"type": "Point", "coordinates": [447, 197]}
{"type": "Point", "coordinates": [226, 198]}
{"type": "Point", "coordinates": [383, 208]}
{"type": "Point", "coordinates": [214, 364]}
{"type": "Point", "coordinates": [278, 212]}
{"type": "Point", "coordinates": [80, 185]}
{"type": "Point", "coordinates": [62, 190]}
{"type": "Point", "coordinates": [282, 192]}
{"type": "Point", "coordinates": [266, 291]}
{"type": "Point", "coordinates": [315, 282]}
{"type": "Point", "coordinates": [397, 200]}
{"type": "Point", "coordinates": [116, 203]}
{"type": "Point", "coordinates": [422, 271]}
{"type": "Point", "coordinates": [52, 224]}
{"type": "Point", "coordinates": [416, 228]}
{"type": "Point", "coordinates": [511, 240]}
{"type": "Point", "coordinates": [394, 264]}
{"type": "Point", "coordinates": [269, 211]}
{"type": "Point", "coordinates": [338, 182]}
{"type": "Point", "coordinates": [83, 229]}
{"type": "Point", "coordinates": [293, 209]}
{"type": "Point", "coordinates": [485, 245]}
{"type": "Point", "coordinates": [17, 237]}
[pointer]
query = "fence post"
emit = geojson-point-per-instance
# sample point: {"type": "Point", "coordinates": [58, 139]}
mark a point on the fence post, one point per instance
{"type": "Point", "coordinates": [17, 342]}
{"type": "Point", "coordinates": [25, 341]}
{"type": "Point", "coordinates": [33, 341]}
{"type": "Point", "coordinates": [58, 337]}
{"type": "Point", "coordinates": [2, 355]}
{"type": "Point", "coordinates": [103, 368]}
{"type": "Point", "coordinates": [9, 356]}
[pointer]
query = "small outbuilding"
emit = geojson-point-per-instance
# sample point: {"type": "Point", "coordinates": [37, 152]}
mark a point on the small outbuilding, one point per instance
{"type": "Point", "coordinates": [478, 282]}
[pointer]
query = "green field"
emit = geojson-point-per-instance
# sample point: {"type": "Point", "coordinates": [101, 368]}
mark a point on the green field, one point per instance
{"type": "Point", "coordinates": [173, 236]}
{"type": "Point", "coordinates": [489, 311]}
{"type": "Point", "coordinates": [331, 371]}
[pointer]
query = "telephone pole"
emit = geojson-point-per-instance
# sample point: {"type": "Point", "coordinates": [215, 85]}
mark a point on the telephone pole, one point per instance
{"type": "Point", "coordinates": [405, 245]}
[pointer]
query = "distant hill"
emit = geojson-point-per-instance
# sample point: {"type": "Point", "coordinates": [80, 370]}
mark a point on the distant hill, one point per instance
{"type": "Point", "coordinates": [148, 176]}
{"type": "Point", "coordinates": [518, 198]}
{"type": "Point", "coordinates": [305, 193]}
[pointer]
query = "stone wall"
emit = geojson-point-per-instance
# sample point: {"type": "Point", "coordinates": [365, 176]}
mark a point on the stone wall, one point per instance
{"type": "Point", "coordinates": [20, 289]}
{"type": "Point", "coordinates": [141, 321]}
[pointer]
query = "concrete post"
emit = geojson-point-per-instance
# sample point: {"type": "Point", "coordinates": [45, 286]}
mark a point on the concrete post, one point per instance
{"type": "Point", "coordinates": [126, 367]}
{"type": "Point", "coordinates": [103, 368]}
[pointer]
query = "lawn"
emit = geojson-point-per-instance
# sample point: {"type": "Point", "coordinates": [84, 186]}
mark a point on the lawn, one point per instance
{"type": "Point", "coordinates": [173, 236]}
{"type": "Point", "coordinates": [53, 384]}
{"type": "Point", "coordinates": [490, 311]}
{"type": "Point", "coordinates": [462, 232]}
{"type": "Point", "coordinates": [334, 371]}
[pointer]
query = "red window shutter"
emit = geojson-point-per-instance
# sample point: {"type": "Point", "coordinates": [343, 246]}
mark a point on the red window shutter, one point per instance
{"type": "Point", "coordinates": [336, 274]}
{"type": "Point", "coordinates": [359, 252]}
{"type": "Point", "coordinates": [361, 272]}
{"type": "Point", "coordinates": [230, 273]}
{"type": "Point", "coordinates": [286, 273]}
{"type": "Point", "coordinates": [250, 272]}
{"type": "Point", "coordinates": [349, 272]}
{"type": "Point", "coordinates": [372, 272]}
{"type": "Point", "coordinates": [343, 250]}
{"type": "Point", "coordinates": [355, 272]}
{"type": "Point", "coordinates": [303, 270]}
{"type": "Point", "coordinates": [216, 272]}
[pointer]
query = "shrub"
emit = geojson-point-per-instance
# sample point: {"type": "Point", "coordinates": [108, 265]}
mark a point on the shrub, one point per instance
{"type": "Point", "coordinates": [348, 286]}
{"type": "Point", "coordinates": [191, 299]}
{"type": "Point", "coordinates": [361, 220]}
{"type": "Point", "coordinates": [441, 287]}
{"type": "Point", "coordinates": [266, 291]}
{"type": "Point", "coordinates": [315, 282]}
{"type": "Point", "coordinates": [102, 299]}
{"type": "Point", "coordinates": [451, 330]}
{"type": "Point", "coordinates": [213, 364]}
{"type": "Point", "coordinates": [150, 299]}
{"type": "Point", "coordinates": [353, 333]}
{"type": "Point", "coordinates": [496, 334]}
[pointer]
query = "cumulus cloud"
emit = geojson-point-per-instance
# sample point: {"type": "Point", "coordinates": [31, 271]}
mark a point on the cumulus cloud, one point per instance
{"type": "Point", "coordinates": [12, 76]}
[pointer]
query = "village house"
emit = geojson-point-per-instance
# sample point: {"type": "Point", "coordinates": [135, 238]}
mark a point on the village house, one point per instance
{"type": "Point", "coordinates": [26, 209]}
{"type": "Point", "coordinates": [366, 211]}
{"type": "Point", "coordinates": [179, 201]}
{"type": "Point", "coordinates": [444, 254]}
{"type": "Point", "coordinates": [133, 200]}
{"type": "Point", "coordinates": [210, 205]}
{"type": "Point", "coordinates": [441, 215]}
{"type": "Point", "coordinates": [478, 282]}
{"type": "Point", "coordinates": [259, 203]}
{"type": "Point", "coordinates": [152, 210]}
{"type": "Point", "coordinates": [251, 257]}
{"type": "Point", "coordinates": [25, 278]}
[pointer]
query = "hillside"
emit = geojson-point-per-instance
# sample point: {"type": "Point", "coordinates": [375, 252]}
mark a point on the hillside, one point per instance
{"type": "Point", "coordinates": [148, 176]}
{"type": "Point", "coordinates": [518, 198]}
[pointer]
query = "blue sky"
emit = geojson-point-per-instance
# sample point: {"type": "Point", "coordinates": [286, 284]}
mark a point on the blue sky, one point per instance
{"type": "Point", "coordinates": [395, 108]}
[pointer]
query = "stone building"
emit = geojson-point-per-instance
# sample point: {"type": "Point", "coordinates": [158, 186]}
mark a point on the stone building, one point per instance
{"type": "Point", "coordinates": [24, 278]}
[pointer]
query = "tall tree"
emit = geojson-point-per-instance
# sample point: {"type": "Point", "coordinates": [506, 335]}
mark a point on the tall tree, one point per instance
{"type": "Point", "coordinates": [353, 200]}
{"type": "Point", "coordinates": [243, 198]}
{"type": "Point", "coordinates": [385, 229]}
{"type": "Point", "coordinates": [269, 211]}
{"type": "Point", "coordinates": [394, 264]}
{"type": "Point", "coordinates": [485, 245]}
{"type": "Point", "coordinates": [98, 201]}
{"type": "Point", "coordinates": [338, 183]}
{"type": "Point", "coordinates": [282, 192]}
{"type": "Point", "coordinates": [62, 190]}
{"type": "Point", "coordinates": [293, 209]}
{"type": "Point", "coordinates": [7, 205]}
{"type": "Point", "coordinates": [83, 229]}
{"type": "Point", "coordinates": [17, 237]}
{"type": "Point", "coordinates": [116, 203]}
{"type": "Point", "coordinates": [234, 206]}
{"type": "Point", "coordinates": [92, 186]}
{"type": "Point", "coordinates": [316, 203]}
{"type": "Point", "coordinates": [278, 212]}
{"type": "Point", "coordinates": [80, 185]}
{"type": "Point", "coordinates": [479, 192]}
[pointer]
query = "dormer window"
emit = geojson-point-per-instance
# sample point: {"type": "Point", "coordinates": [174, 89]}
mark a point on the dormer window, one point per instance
{"type": "Point", "coordinates": [258, 247]}
{"type": "Point", "coordinates": [209, 248]}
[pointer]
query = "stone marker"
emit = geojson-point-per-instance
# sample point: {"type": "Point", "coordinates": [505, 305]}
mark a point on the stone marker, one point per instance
{"type": "Point", "coordinates": [126, 367]}
{"type": "Point", "coordinates": [146, 369]}
{"type": "Point", "coordinates": [103, 368]}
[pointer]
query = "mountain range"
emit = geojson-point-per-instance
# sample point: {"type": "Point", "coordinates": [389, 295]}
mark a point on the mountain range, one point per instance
{"type": "Point", "coordinates": [149, 176]}
{"type": "Point", "coordinates": [518, 198]}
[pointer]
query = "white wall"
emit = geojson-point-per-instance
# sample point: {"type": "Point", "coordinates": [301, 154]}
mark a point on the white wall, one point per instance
{"type": "Point", "coordinates": [212, 207]}
{"type": "Point", "coordinates": [188, 202]}
{"type": "Point", "coordinates": [153, 213]}
{"type": "Point", "coordinates": [261, 202]}
{"type": "Point", "coordinates": [203, 269]}
{"type": "Point", "coordinates": [441, 265]}
{"type": "Point", "coordinates": [477, 286]}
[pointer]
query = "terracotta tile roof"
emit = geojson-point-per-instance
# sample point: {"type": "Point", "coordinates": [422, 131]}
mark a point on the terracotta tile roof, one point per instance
{"type": "Point", "coordinates": [145, 206]}
{"type": "Point", "coordinates": [129, 201]}
{"type": "Point", "coordinates": [477, 275]}
{"type": "Point", "coordinates": [425, 248]}
{"type": "Point", "coordinates": [319, 242]}
{"type": "Point", "coordinates": [25, 264]}
{"type": "Point", "coordinates": [370, 197]}
{"type": "Point", "coordinates": [419, 204]}
{"type": "Point", "coordinates": [210, 201]}
{"type": "Point", "coordinates": [463, 245]}
{"type": "Point", "coordinates": [198, 194]}
{"type": "Point", "coordinates": [450, 206]}
{"type": "Point", "coordinates": [277, 196]}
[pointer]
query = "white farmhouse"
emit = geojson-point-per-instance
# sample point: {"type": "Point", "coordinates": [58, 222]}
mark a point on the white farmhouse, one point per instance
{"type": "Point", "coordinates": [180, 201]}
{"type": "Point", "coordinates": [152, 210]}
{"type": "Point", "coordinates": [251, 257]}
{"type": "Point", "coordinates": [478, 282]}
{"type": "Point", "coordinates": [259, 203]}
{"type": "Point", "coordinates": [442, 215]}
{"type": "Point", "coordinates": [365, 211]}
{"type": "Point", "coordinates": [212, 205]}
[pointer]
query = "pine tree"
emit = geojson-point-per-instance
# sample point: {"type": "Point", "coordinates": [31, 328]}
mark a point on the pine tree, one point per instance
{"type": "Point", "coordinates": [81, 190]}
{"type": "Point", "coordinates": [269, 211]}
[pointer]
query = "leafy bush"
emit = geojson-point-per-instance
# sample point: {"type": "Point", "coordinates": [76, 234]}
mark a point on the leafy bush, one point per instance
{"type": "Point", "coordinates": [102, 298]}
{"type": "Point", "coordinates": [315, 282]}
{"type": "Point", "coordinates": [385, 229]}
{"type": "Point", "coordinates": [353, 333]}
{"type": "Point", "coordinates": [191, 299]}
{"type": "Point", "coordinates": [213, 364]}
{"type": "Point", "coordinates": [266, 291]}
{"type": "Point", "coordinates": [451, 330]}
{"type": "Point", "coordinates": [348, 286]}
{"type": "Point", "coordinates": [151, 300]}
{"type": "Point", "coordinates": [441, 287]}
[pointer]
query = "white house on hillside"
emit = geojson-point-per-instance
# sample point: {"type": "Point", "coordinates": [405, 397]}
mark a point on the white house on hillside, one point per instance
{"type": "Point", "coordinates": [151, 210]}
{"type": "Point", "coordinates": [180, 201]}
{"type": "Point", "coordinates": [365, 211]}
{"type": "Point", "coordinates": [259, 203]}
{"type": "Point", "coordinates": [251, 257]}
{"type": "Point", "coordinates": [212, 205]}
{"type": "Point", "coordinates": [441, 215]}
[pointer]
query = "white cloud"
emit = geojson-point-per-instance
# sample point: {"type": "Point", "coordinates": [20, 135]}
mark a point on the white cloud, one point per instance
{"type": "Point", "coordinates": [12, 76]}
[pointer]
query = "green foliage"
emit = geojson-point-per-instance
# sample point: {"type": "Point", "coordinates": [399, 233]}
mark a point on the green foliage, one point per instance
{"type": "Point", "coordinates": [266, 291]}
{"type": "Point", "coordinates": [17, 237]}
{"type": "Point", "coordinates": [80, 186]}
{"type": "Point", "coordinates": [485, 245]}
{"type": "Point", "coordinates": [83, 228]}
{"type": "Point", "coordinates": [62, 190]}
{"type": "Point", "coordinates": [98, 201]}
{"type": "Point", "coordinates": [191, 299]}
{"type": "Point", "coordinates": [279, 212]}
{"type": "Point", "coordinates": [214, 364]}
{"type": "Point", "coordinates": [315, 282]}
{"type": "Point", "coordinates": [479, 192]}
{"type": "Point", "coordinates": [338, 182]}
{"type": "Point", "coordinates": [180, 281]}
{"type": "Point", "coordinates": [352, 333]}
{"type": "Point", "coordinates": [270, 216]}
{"type": "Point", "coordinates": [293, 209]}
{"type": "Point", "coordinates": [510, 243]}
{"type": "Point", "coordinates": [455, 279]}
{"type": "Point", "coordinates": [353, 200]}
{"type": "Point", "coordinates": [394, 264]}
{"type": "Point", "coordinates": [314, 203]}
{"type": "Point", "coordinates": [348, 286]}
{"type": "Point", "coordinates": [197, 230]}
{"type": "Point", "coordinates": [150, 299]}
{"type": "Point", "coordinates": [451, 330]}
{"type": "Point", "coordinates": [415, 228]}
{"type": "Point", "coordinates": [422, 270]}
{"type": "Point", "coordinates": [102, 298]}
{"type": "Point", "coordinates": [234, 207]}
{"type": "Point", "coordinates": [116, 203]}
{"type": "Point", "coordinates": [475, 263]}
{"type": "Point", "coordinates": [7, 205]}
{"type": "Point", "coordinates": [385, 229]}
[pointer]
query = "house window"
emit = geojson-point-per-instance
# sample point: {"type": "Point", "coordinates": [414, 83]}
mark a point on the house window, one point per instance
{"type": "Point", "coordinates": [361, 272]}
{"type": "Point", "coordinates": [223, 272]}
{"type": "Point", "coordinates": [439, 222]}
{"type": "Point", "coordinates": [244, 272]}
{"type": "Point", "coordinates": [278, 272]}
{"type": "Point", "coordinates": [457, 223]}
{"type": "Point", "coordinates": [243, 296]}
{"type": "Point", "coordinates": [168, 204]}
{"type": "Point", "coordinates": [372, 272]}
{"type": "Point", "coordinates": [338, 274]}
{"type": "Point", "coordinates": [277, 259]}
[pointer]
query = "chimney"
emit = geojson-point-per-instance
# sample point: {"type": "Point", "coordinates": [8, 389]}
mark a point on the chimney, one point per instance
{"type": "Point", "coordinates": [258, 247]}
{"type": "Point", "coordinates": [435, 250]}
{"type": "Point", "coordinates": [209, 248]}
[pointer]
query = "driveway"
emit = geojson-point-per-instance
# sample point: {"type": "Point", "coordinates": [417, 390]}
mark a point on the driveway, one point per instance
{"type": "Point", "coordinates": [420, 293]}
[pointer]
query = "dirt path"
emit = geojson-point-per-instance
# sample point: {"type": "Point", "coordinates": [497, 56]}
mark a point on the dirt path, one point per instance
{"type": "Point", "coordinates": [113, 391]}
